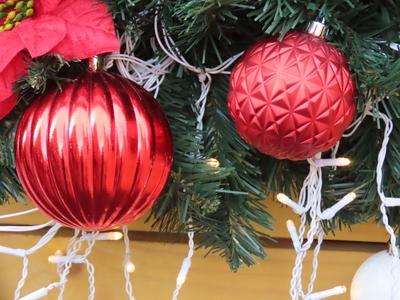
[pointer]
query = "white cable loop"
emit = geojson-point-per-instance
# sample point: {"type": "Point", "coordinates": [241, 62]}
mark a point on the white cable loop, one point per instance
{"type": "Point", "coordinates": [72, 251]}
{"type": "Point", "coordinates": [309, 203]}
{"type": "Point", "coordinates": [379, 182]}
{"type": "Point", "coordinates": [18, 214]}
{"type": "Point", "coordinates": [204, 74]}
{"type": "Point", "coordinates": [91, 279]}
{"type": "Point", "coordinates": [186, 264]}
{"type": "Point", "coordinates": [128, 260]}
{"type": "Point", "coordinates": [25, 228]}
{"type": "Point", "coordinates": [148, 73]}
{"type": "Point", "coordinates": [21, 282]}
{"type": "Point", "coordinates": [25, 253]}
{"type": "Point", "coordinates": [174, 53]}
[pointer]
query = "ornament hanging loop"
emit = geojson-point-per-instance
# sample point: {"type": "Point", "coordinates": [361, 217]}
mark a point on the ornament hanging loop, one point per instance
{"type": "Point", "coordinates": [318, 28]}
{"type": "Point", "coordinates": [95, 63]}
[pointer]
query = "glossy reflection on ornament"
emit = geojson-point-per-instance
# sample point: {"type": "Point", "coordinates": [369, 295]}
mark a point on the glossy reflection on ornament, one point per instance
{"type": "Point", "coordinates": [97, 154]}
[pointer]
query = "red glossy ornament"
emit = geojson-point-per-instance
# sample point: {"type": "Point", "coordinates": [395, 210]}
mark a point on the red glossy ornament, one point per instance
{"type": "Point", "coordinates": [292, 98]}
{"type": "Point", "coordinates": [97, 154]}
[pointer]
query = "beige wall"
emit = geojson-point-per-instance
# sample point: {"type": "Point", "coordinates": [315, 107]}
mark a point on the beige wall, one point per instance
{"type": "Point", "coordinates": [157, 265]}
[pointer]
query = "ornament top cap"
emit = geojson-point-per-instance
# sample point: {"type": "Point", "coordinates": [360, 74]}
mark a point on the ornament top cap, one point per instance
{"type": "Point", "coordinates": [95, 63]}
{"type": "Point", "coordinates": [317, 28]}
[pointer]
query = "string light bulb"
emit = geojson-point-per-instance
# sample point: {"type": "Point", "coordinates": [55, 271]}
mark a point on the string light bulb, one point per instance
{"type": "Point", "coordinates": [330, 212]}
{"type": "Point", "coordinates": [130, 267]}
{"type": "Point", "coordinates": [391, 202]}
{"type": "Point", "coordinates": [342, 161]}
{"type": "Point", "coordinates": [339, 290]}
{"type": "Point", "coordinates": [282, 198]}
{"type": "Point", "coordinates": [39, 294]}
{"type": "Point", "coordinates": [212, 162]}
{"type": "Point", "coordinates": [293, 234]}
{"type": "Point", "coordinates": [110, 236]}
{"type": "Point", "coordinates": [332, 162]}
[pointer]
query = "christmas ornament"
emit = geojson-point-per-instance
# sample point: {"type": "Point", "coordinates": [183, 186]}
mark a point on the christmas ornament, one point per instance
{"type": "Point", "coordinates": [292, 98]}
{"type": "Point", "coordinates": [375, 278]}
{"type": "Point", "coordinates": [95, 155]}
{"type": "Point", "coordinates": [72, 29]}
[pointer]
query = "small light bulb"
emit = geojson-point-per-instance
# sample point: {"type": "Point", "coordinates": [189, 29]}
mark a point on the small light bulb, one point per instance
{"type": "Point", "coordinates": [293, 234]}
{"type": "Point", "coordinates": [342, 161]}
{"type": "Point", "coordinates": [130, 267]}
{"type": "Point", "coordinates": [212, 162]}
{"type": "Point", "coordinates": [282, 198]}
{"type": "Point", "coordinates": [352, 196]}
{"type": "Point", "coordinates": [110, 236]}
{"type": "Point", "coordinates": [180, 280]}
{"type": "Point", "coordinates": [328, 293]}
{"type": "Point", "coordinates": [297, 208]}
{"type": "Point", "coordinates": [115, 236]}
{"type": "Point", "coordinates": [290, 224]}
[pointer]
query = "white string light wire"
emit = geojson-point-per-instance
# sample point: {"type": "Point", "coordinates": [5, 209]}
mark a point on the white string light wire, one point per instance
{"type": "Point", "coordinates": [24, 253]}
{"type": "Point", "coordinates": [186, 264]}
{"type": "Point", "coordinates": [18, 214]}
{"type": "Point", "coordinates": [310, 202]}
{"type": "Point", "coordinates": [387, 202]}
{"type": "Point", "coordinates": [205, 78]}
{"type": "Point", "coordinates": [204, 74]}
{"type": "Point", "coordinates": [129, 267]}
{"type": "Point", "coordinates": [302, 244]}
{"type": "Point", "coordinates": [25, 228]}
{"type": "Point", "coordinates": [148, 73]}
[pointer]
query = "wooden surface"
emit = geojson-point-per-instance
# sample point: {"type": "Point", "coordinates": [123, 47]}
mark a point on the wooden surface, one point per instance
{"type": "Point", "coordinates": [369, 232]}
{"type": "Point", "coordinates": [157, 265]}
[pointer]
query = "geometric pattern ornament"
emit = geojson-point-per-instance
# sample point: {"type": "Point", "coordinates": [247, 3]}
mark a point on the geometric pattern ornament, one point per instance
{"type": "Point", "coordinates": [292, 98]}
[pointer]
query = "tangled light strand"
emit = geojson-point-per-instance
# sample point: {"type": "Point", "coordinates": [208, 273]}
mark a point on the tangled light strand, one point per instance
{"type": "Point", "coordinates": [387, 201]}
{"type": "Point", "coordinates": [148, 73]}
{"type": "Point", "coordinates": [204, 76]}
{"type": "Point", "coordinates": [310, 204]}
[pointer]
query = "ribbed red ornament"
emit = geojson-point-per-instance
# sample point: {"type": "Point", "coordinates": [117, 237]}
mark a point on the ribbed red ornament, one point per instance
{"type": "Point", "coordinates": [292, 98]}
{"type": "Point", "coordinates": [95, 155]}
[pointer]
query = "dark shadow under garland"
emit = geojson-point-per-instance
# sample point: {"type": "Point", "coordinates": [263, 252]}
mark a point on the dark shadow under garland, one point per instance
{"type": "Point", "coordinates": [224, 202]}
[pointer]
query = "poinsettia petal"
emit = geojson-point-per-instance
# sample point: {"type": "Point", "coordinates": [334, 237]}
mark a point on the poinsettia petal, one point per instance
{"type": "Point", "coordinates": [14, 71]}
{"type": "Point", "coordinates": [86, 43]}
{"type": "Point", "coordinates": [45, 6]}
{"type": "Point", "coordinates": [11, 45]}
{"type": "Point", "coordinates": [90, 29]}
{"type": "Point", "coordinates": [40, 35]}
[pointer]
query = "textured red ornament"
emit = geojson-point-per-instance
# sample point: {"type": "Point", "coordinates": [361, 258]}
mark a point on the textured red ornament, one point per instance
{"type": "Point", "coordinates": [97, 154]}
{"type": "Point", "coordinates": [292, 98]}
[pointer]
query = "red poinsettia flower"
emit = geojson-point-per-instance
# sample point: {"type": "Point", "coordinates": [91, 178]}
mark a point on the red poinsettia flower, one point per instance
{"type": "Point", "coordinates": [70, 28]}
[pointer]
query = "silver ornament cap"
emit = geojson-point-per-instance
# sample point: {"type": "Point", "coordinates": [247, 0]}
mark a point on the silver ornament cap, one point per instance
{"type": "Point", "coordinates": [318, 28]}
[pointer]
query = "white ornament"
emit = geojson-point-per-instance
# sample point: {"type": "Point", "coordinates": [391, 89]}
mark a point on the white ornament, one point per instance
{"type": "Point", "coordinates": [374, 279]}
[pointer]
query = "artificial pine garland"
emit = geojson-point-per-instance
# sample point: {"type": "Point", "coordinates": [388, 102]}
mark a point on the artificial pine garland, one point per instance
{"type": "Point", "coordinates": [224, 201]}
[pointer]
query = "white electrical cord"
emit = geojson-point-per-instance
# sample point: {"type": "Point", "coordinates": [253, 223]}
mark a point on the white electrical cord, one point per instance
{"type": "Point", "coordinates": [25, 228]}
{"type": "Point", "coordinates": [205, 78]}
{"type": "Point", "coordinates": [25, 253]}
{"type": "Point", "coordinates": [303, 206]}
{"type": "Point", "coordinates": [310, 204]}
{"type": "Point", "coordinates": [186, 264]}
{"type": "Point", "coordinates": [204, 74]}
{"type": "Point", "coordinates": [129, 267]}
{"type": "Point", "coordinates": [387, 202]}
{"type": "Point", "coordinates": [18, 214]}
{"type": "Point", "coordinates": [148, 73]}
